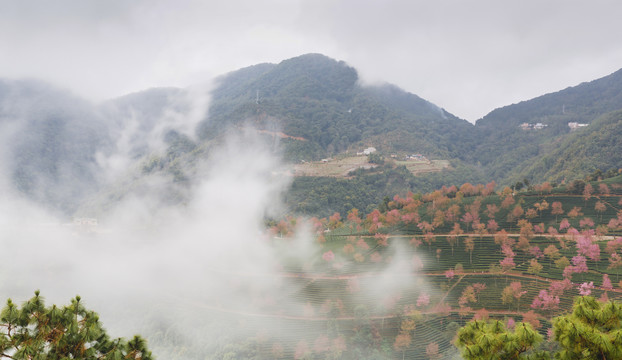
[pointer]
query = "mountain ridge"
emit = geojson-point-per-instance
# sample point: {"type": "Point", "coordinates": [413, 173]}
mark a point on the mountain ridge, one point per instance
{"type": "Point", "coordinates": [311, 97]}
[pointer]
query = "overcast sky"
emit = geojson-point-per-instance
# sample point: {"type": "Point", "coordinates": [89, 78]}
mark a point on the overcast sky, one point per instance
{"type": "Point", "coordinates": [467, 56]}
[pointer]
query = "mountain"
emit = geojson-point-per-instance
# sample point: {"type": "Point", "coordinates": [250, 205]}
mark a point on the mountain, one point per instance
{"type": "Point", "coordinates": [321, 101]}
{"type": "Point", "coordinates": [591, 149]}
{"type": "Point", "coordinates": [149, 120]}
{"type": "Point", "coordinates": [61, 150]}
{"type": "Point", "coordinates": [50, 140]}
{"type": "Point", "coordinates": [506, 151]}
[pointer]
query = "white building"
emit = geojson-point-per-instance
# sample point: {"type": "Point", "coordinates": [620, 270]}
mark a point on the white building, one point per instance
{"type": "Point", "coordinates": [369, 150]}
{"type": "Point", "coordinates": [576, 125]}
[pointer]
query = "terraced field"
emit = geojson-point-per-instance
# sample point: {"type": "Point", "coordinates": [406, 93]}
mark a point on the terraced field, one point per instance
{"type": "Point", "coordinates": [341, 166]}
{"type": "Point", "coordinates": [387, 286]}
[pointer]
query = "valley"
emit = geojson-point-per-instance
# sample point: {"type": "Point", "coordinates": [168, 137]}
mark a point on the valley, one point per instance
{"type": "Point", "coordinates": [255, 225]}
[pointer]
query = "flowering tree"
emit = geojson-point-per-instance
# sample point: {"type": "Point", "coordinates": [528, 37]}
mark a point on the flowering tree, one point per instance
{"type": "Point", "coordinates": [354, 216]}
{"type": "Point", "coordinates": [513, 292]}
{"type": "Point", "coordinates": [492, 226]}
{"type": "Point", "coordinates": [467, 297]}
{"type": "Point", "coordinates": [588, 190]}
{"type": "Point", "coordinates": [507, 202]}
{"type": "Point", "coordinates": [429, 238]}
{"type": "Point", "coordinates": [586, 223]}
{"type": "Point", "coordinates": [552, 253]}
{"type": "Point", "coordinates": [452, 238]}
{"type": "Point", "coordinates": [334, 221]}
{"type": "Point", "coordinates": [402, 342]}
{"type": "Point", "coordinates": [531, 213]}
{"type": "Point", "coordinates": [507, 264]}
{"type": "Point", "coordinates": [565, 224]}
{"type": "Point", "coordinates": [579, 265]}
{"type": "Point", "coordinates": [432, 351]}
{"type": "Point", "coordinates": [585, 288]}
{"type": "Point", "coordinates": [575, 212]}
{"type": "Point", "coordinates": [468, 219]}
{"type": "Point", "coordinates": [321, 344]}
{"type": "Point", "coordinates": [541, 206]}
{"type": "Point", "coordinates": [607, 282]}
{"type": "Point", "coordinates": [452, 213]}
{"type": "Point", "coordinates": [556, 209]}
{"type": "Point", "coordinates": [600, 208]}
{"type": "Point", "coordinates": [534, 267]}
{"type": "Point", "coordinates": [469, 245]}
{"type": "Point", "coordinates": [516, 213]}
{"type": "Point", "coordinates": [491, 210]}
{"type": "Point", "coordinates": [328, 256]}
{"type": "Point", "coordinates": [587, 247]}
{"type": "Point", "coordinates": [545, 301]}
{"type": "Point", "coordinates": [423, 300]}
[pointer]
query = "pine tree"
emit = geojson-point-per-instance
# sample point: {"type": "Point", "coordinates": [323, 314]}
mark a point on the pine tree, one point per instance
{"type": "Point", "coordinates": [480, 340]}
{"type": "Point", "coordinates": [592, 331]}
{"type": "Point", "coordinates": [35, 331]}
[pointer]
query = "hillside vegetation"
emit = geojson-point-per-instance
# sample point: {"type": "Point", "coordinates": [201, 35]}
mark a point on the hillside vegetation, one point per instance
{"type": "Point", "coordinates": [64, 151]}
{"type": "Point", "coordinates": [400, 281]}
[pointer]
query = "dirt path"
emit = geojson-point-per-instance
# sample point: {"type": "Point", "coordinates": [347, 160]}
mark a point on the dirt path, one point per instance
{"type": "Point", "coordinates": [340, 318]}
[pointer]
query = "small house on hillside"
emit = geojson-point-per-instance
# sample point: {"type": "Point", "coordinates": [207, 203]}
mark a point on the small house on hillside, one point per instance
{"type": "Point", "coordinates": [369, 150]}
{"type": "Point", "coordinates": [536, 126]}
{"type": "Point", "coordinates": [576, 125]}
{"type": "Point", "coordinates": [539, 126]}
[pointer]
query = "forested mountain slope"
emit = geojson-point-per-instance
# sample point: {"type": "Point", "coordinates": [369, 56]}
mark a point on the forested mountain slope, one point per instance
{"type": "Point", "coordinates": [61, 149]}
{"type": "Point", "coordinates": [320, 100]}
{"type": "Point", "coordinates": [596, 147]}
{"type": "Point", "coordinates": [50, 139]}
{"type": "Point", "coordinates": [503, 148]}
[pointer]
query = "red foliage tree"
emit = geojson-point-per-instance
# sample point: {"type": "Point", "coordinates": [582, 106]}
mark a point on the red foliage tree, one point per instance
{"type": "Point", "coordinates": [532, 318]}
{"type": "Point", "coordinates": [491, 210]}
{"type": "Point", "coordinates": [353, 216]}
{"type": "Point", "coordinates": [402, 342]}
{"type": "Point", "coordinates": [469, 245]}
{"type": "Point", "coordinates": [452, 213]}
{"type": "Point", "coordinates": [516, 213]}
{"type": "Point", "coordinates": [556, 209]}
{"type": "Point", "coordinates": [452, 238]}
{"type": "Point", "coordinates": [432, 351]}
{"type": "Point", "coordinates": [492, 226]}
{"type": "Point", "coordinates": [600, 208]}
{"type": "Point", "coordinates": [507, 202]}
{"type": "Point", "coordinates": [588, 190]}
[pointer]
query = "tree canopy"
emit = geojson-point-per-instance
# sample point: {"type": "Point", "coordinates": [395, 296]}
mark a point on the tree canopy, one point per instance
{"type": "Point", "coordinates": [36, 331]}
{"type": "Point", "coordinates": [592, 331]}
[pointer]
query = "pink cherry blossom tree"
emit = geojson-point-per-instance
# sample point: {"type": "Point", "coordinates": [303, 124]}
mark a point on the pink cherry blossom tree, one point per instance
{"type": "Point", "coordinates": [585, 288]}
